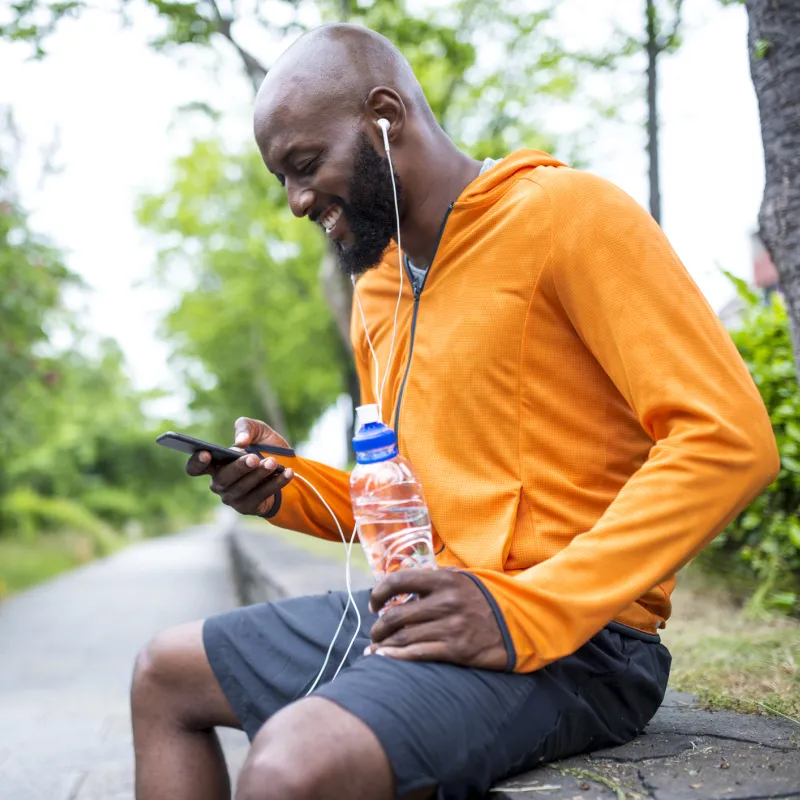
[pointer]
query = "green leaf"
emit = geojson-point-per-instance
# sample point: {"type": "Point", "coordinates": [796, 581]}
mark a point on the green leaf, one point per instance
{"type": "Point", "coordinates": [762, 48]}
{"type": "Point", "coordinates": [790, 463]}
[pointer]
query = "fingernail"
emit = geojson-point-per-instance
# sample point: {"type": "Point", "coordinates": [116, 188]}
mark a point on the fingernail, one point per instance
{"type": "Point", "coordinates": [205, 457]}
{"type": "Point", "coordinates": [252, 461]}
{"type": "Point", "coordinates": [241, 438]}
{"type": "Point", "coordinates": [269, 464]}
{"type": "Point", "coordinates": [289, 474]}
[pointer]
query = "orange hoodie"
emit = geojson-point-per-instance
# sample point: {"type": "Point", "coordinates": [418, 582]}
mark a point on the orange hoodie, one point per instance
{"type": "Point", "coordinates": [581, 421]}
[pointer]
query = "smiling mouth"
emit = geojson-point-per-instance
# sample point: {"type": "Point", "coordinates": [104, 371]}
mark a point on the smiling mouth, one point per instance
{"type": "Point", "coordinates": [329, 219]}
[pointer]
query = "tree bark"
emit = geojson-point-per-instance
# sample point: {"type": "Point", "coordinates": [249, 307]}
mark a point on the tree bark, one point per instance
{"type": "Point", "coordinates": [653, 49]}
{"type": "Point", "coordinates": [774, 47]}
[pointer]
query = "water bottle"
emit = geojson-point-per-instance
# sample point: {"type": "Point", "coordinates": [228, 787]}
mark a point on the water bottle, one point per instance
{"type": "Point", "coordinates": [388, 505]}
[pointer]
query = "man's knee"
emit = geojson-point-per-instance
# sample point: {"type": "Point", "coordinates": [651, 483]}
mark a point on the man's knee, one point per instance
{"type": "Point", "coordinates": [164, 667]}
{"type": "Point", "coordinates": [265, 776]}
{"type": "Point", "coordinates": [314, 749]}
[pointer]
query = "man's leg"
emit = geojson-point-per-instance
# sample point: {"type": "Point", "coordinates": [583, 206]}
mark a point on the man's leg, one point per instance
{"type": "Point", "coordinates": [315, 750]}
{"type": "Point", "coordinates": [176, 702]}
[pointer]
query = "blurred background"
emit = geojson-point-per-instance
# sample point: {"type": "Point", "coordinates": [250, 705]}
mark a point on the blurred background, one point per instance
{"type": "Point", "coordinates": [152, 277]}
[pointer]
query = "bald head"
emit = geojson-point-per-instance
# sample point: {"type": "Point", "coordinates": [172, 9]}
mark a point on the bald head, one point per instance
{"type": "Point", "coordinates": [316, 125]}
{"type": "Point", "coordinates": [338, 67]}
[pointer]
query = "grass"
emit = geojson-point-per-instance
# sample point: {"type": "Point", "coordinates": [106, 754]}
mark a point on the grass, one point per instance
{"type": "Point", "coordinates": [23, 563]}
{"type": "Point", "coordinates": [730, 656]}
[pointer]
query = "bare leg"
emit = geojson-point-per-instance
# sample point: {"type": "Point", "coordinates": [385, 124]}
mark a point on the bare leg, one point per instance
{"type": "Point", "coordinates": [315, 750]}
{"type": "Point", "coordinates": [175, 703]}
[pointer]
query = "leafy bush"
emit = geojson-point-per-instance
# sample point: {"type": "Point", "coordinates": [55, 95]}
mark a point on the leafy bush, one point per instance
{"type": "Point", "coordinates": [28, 515]}
{"type": "Point", "coordinates": [764, 541]}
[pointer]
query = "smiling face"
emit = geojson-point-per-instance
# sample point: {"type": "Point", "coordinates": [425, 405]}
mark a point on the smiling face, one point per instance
{"type": "Point", "coordinates": [331, 171]}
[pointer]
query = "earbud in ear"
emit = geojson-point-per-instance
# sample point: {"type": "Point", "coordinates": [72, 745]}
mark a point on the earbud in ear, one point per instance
{"type": "Point", "coordinates": [384, 124]}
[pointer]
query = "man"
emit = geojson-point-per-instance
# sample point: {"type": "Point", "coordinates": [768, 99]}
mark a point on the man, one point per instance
{"type": "Point", "coordinates": [581, 423]}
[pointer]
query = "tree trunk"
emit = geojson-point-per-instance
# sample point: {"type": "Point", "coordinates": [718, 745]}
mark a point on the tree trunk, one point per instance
{"type": "Point", "coordinates": [774, 46]}
{"type": "Point", "coordinates": [653, 49]}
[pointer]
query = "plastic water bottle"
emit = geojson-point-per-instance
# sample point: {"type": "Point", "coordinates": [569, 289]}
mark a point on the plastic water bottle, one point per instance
{"type": "Point", "coordinates": [388, 505]}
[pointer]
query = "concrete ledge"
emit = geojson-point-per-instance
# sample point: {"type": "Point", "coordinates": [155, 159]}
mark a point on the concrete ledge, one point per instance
{"type": "Point", "coordinates": [686, 753]}
{"type": "Point", "coordinates": [265, 568]}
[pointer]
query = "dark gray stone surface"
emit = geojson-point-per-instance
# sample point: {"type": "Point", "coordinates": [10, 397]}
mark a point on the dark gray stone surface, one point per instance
{"type": "Point", "coordinates": [267, 568]}
{"type": "Point", "coordinates": [679, 757]}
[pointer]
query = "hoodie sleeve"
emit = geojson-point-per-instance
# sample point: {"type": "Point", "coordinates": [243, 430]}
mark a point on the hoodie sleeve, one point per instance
{"type": "Point", "coordinates": [300, 509]}
{"type": "Point", "coordinates": [635, 307]}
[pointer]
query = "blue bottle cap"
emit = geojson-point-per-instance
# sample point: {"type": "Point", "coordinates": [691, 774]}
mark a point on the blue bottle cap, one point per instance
{"type": "Point", "coordinates": [374, 436]}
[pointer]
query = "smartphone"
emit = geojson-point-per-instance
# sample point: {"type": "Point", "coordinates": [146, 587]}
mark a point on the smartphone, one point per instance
{"type": "Point", "coordinates": [221, 455]}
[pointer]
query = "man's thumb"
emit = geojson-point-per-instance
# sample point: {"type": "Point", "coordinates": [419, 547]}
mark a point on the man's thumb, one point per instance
{"type": "Point", "coordinates": [249, 431]}
{"type": "Point", "coordinates": [253, 431]}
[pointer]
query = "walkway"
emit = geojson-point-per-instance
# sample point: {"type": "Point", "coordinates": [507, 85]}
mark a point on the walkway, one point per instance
{"type": "Point", "coordinates": [66, 653]}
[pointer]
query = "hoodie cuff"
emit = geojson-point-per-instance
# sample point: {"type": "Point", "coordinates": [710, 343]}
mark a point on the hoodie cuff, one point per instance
{"type": "Point", "coordinates": [501, 622]}
{"type": "Point", "coordinates": [276, 506]}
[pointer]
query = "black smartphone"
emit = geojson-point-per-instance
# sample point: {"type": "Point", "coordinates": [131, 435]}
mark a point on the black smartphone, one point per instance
{"type": "Point", "coordinates": [222, 455]}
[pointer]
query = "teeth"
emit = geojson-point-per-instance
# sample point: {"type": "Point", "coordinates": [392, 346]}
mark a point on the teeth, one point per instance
{"type": "Point", "coordinates": [330, 219]}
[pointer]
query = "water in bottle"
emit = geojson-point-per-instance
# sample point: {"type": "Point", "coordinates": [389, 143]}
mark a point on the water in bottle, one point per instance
{"type": "Point", "coordinates": [388, 505]}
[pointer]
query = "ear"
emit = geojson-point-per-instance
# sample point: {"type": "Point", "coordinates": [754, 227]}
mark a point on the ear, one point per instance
{"type": "Point", "coordinates": [384, 103]}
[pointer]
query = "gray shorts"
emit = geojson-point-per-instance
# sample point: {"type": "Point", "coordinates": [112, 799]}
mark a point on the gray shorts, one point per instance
{"type": "Point", "coordinates": [459, 729]}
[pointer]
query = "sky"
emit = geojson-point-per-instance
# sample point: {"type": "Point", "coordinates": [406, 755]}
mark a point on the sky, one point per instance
{"type": "Point", "coordinates": [110, 102]}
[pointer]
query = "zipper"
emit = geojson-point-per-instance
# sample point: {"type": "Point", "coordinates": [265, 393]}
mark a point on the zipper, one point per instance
{"type": "Point", "coordinates": [417, 295]}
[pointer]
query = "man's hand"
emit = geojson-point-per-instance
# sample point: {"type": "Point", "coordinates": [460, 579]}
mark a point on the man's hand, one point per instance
{"type": "Point", "coordinates": [451, 621]}
{"type": "Point", "coordinates": [248, 484]}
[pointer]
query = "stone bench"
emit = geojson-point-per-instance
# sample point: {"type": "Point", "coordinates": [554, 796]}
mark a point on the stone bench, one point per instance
{"type": "Point", "coordinates": [686, 753]}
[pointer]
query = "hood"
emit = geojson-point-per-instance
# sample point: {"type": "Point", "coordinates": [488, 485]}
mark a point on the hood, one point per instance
{"type": "Point", "coordinates": [511, 168]}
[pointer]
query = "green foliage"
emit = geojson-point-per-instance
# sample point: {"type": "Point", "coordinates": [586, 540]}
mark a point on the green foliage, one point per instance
{"type": "Point", "coordinates": [29, 514]}
{"type": "Point", "coordinates": [762, 48]}
{"type": "Point", "coordinates": [253, 318]}
{"type": "Point", "coordinates": [80, 465]}
{"type": "Point", "coordinates": [32, 277]}
{"type": "Point", "coordinates": [765, 539]}
{"type": "Point", "coordinates": [666, 36]}
{"type": "Point", "coordinates": [24, 563]}
{"type": "Point", "coordinates": [31, 21]}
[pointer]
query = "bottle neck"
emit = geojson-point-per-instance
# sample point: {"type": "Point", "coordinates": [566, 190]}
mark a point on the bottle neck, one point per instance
{"type": "Point", "coordinates": [379, 454]}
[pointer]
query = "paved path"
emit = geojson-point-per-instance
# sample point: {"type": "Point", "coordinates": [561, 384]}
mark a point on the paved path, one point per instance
{"type": "Point", "coordinates": [66, 653]}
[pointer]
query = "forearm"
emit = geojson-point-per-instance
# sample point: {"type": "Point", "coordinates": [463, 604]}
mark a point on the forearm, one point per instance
{"type": "Point", "coordinates": [692, 485]}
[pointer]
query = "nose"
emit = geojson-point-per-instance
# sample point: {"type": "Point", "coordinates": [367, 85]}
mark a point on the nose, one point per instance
{"type": "Point", "coordinates": [301, 198]}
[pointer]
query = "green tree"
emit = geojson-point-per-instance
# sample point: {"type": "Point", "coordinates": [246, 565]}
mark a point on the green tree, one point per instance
{"type": "Point", "coordinates": [490, 103]}
{"type": "Point", "coordinates": [32, 276]}
{"type": "Point", "coordinates": [254, 318]}
{"type": "Point", "coordinates": [765, 539]}
{"type": "Point", "coordinates": [661, 36]}
{"type": "Point", "coordinates": [79, 465]}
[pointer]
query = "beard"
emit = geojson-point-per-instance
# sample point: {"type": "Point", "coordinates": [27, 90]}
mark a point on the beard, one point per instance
{"type": "Point", "coordinates": [370, 212]}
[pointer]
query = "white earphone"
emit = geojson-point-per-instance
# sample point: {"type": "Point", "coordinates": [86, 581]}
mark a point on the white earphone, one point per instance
{"type": "Point", "coordinates": [384, 125]}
